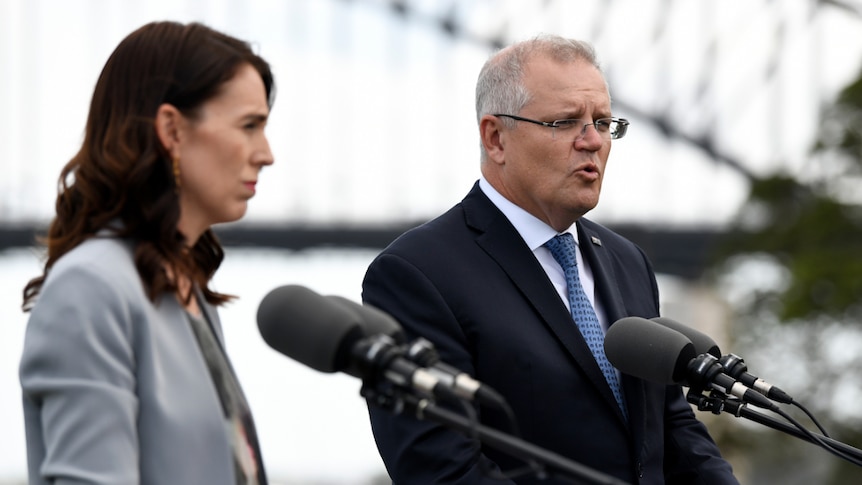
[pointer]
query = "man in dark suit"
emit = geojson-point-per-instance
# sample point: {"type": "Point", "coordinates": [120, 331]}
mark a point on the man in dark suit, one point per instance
{"type": "Point", "coordinates": [483, 285]}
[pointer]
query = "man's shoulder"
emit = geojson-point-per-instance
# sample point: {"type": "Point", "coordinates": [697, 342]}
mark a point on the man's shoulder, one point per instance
{"type": "Point", "coordinates": [432, 233]}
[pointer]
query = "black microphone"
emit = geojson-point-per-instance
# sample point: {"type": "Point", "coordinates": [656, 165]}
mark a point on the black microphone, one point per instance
{"type": "Point", "coordinates": [656, 353]}
{"type": "Point", "coordinates": [423, 353]}
{"type": "Point", "coordinates": [372, 320]}
{"type": "Point", "coordinates": [734, 366]}
{"type": "Point", "coordinates": [647, 350]}
{"type": "Point", "coordinates": [703, 343]}
{"type": "Point", "coordinates": [304, 326]}
{"type": "Point", "coordinates": [462, 384]}
{"type": "Point", "coordinates": [327, 334]}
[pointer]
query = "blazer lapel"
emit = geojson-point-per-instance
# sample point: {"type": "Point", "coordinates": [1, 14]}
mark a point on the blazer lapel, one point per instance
{"type": "Point", "coordinates": [600, 264]}
{"type": "Point", "coordinates": [607, 289]}
{"type": "Point", "coordinates": [501, 241]}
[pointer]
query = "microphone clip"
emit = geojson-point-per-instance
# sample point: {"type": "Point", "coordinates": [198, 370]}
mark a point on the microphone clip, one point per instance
{"type": "Point", "coordinates": [713, 403]}
{"type": "Point", "coordinates": [716, 402]}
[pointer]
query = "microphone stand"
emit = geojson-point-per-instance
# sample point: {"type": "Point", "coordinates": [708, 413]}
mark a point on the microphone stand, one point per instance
{"type": "Point", "coordinates": [717, 403]}
{"type": "Point", "coordinates": [423, 408]}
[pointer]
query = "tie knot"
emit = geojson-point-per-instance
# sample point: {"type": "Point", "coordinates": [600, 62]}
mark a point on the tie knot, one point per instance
{"type": "Point", "coordinates": [562, 247]}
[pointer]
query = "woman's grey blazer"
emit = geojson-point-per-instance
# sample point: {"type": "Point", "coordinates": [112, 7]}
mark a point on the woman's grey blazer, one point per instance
{"type": "Point", "coordinates": [115, 389]}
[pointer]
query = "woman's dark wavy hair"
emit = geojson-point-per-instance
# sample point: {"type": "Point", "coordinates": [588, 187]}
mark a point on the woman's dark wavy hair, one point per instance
{"type": "Point", "coordinates": [122, 178]}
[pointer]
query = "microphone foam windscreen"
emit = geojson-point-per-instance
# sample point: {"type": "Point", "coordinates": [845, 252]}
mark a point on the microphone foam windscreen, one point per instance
{"type": "Point", "coordinates": [373, 320]}
{"type": "Point", "coordinates": [308, 328]}
{"type": "Point", "coordinates": [647, 350]}
{"type": "Point", "coordinates": [703, 343]}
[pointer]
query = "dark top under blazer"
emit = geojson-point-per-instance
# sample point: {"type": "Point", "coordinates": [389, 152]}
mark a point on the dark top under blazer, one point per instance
{"type": "Point", "coordinates": [468, 282]}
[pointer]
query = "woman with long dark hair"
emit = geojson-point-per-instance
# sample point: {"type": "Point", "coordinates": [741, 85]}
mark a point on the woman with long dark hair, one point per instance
{"type": "Point", "coordinates": [124, 374]}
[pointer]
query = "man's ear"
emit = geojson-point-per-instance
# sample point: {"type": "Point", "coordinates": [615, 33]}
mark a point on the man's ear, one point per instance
{"type": "Point", "coordinates": [168, 122]}
{"type": "Point", "coordinates": [491, 136]}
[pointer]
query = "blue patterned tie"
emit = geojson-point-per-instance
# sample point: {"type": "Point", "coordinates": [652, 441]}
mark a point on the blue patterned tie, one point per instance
{"type": "Point", "coordinates": [563, 249]}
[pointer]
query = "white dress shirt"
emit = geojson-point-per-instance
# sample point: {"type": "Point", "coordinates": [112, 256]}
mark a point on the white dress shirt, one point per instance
{"type": "Point", "coordinates": [536, 233]}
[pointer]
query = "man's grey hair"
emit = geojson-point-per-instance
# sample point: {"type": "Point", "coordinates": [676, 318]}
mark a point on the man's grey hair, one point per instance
{"type": "Point", "coordinates": [500, 88]}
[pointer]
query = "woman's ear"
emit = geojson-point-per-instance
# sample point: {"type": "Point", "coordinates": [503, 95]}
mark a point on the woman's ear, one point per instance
{"type": "Point", "coordinates": [168, 124]}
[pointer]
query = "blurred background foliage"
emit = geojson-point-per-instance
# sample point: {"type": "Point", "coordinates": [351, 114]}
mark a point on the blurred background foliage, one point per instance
{"type": "Point", "coordinates": [807, 229]}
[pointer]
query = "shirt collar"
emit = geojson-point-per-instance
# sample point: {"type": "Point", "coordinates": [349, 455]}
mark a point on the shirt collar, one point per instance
{"type": "Point", "coordinates": [533, 230]}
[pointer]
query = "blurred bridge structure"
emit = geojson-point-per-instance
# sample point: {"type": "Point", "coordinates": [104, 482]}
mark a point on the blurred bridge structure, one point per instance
{"type": "Point", "coordinates": [374, 129]}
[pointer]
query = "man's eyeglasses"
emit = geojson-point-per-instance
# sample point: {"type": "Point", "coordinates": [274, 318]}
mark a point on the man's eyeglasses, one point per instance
{"type": "Point", "coordinates": [608, 128]}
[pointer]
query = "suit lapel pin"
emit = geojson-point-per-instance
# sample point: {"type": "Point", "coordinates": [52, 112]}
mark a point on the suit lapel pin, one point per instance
{"type": "Point", "coordinates": [596, 241]}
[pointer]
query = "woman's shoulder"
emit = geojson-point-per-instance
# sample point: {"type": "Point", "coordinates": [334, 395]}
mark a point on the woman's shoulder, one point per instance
{"type": "Point", "coordinates": [105, 260]}
{"type": "Point", "coordinates": [99, 252]}
{"type": "Point", "coordinates": [92, 293]}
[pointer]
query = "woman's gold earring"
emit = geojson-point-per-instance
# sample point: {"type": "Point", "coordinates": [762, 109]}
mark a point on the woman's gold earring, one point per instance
{"type": "Point", "coordinates": [177, 173]}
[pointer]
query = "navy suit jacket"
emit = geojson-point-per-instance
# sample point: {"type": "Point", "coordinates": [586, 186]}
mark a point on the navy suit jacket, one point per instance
{"type": "Point", "coordinates": [467, 282]}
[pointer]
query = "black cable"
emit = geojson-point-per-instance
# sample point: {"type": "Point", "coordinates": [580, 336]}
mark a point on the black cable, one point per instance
{"type": "Point", "coordinates": [818, 440]}
{"type": "Point", "coordinates": [718, 402]}
{"type": "Point", "coordinates": [811, 416]}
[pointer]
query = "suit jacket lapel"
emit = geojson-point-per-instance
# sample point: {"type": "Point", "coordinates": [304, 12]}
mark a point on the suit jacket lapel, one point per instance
{"type": "Point", "coordinates": [502, 242]}
{"type": "Point", "coordinates": [603, 274]}
{"type": "Point", "coordinates": [608, 292]}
